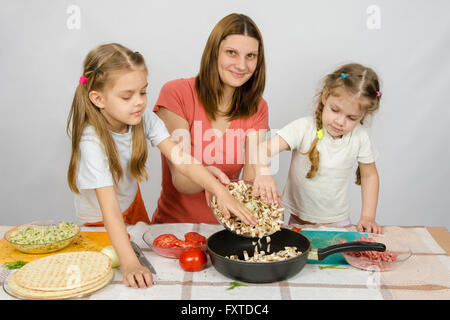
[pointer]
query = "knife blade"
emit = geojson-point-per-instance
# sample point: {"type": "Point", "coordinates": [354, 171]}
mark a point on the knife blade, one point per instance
{"type": "Point", "coordinates": [142, 258]}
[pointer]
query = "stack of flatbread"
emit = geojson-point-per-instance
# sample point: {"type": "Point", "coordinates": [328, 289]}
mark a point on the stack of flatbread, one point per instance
{"type": "Point", "coordinates": [62, 276]}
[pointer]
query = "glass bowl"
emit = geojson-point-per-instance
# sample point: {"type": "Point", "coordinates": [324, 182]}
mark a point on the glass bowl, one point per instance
{"type": "Point", "coordinates": [37, 248]}
{"type": "Point", "coordinates": [397, 252]}
{"type": "Point", "coordinates": [178, 230]}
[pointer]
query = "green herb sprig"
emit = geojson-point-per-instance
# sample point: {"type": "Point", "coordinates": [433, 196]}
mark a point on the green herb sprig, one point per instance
{"type": "Point", "coordinates": [235, 284]}
{"type": "Point", "coordinates": [15, 264]}
{"type": "Point", "coordinates": [332, 266]}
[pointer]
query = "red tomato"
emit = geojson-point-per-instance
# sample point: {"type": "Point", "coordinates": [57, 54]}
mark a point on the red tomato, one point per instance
{"type": "Point", "coordinates": [166, 241]}
{"type": "Point", "coordinates": [193, 260]}
{"type": "Point", "coordinates": [195, 237]}
{"type": "Point", "coordinates": [190, 244]}
{"type": "Point", "coordinates": [180, 244]}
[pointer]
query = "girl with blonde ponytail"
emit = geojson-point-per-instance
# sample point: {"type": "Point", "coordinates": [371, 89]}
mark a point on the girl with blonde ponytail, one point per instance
{"type": "Point", "coordinates": [325, 147]}
{"type": "Point", "coordinates": [109, 127]}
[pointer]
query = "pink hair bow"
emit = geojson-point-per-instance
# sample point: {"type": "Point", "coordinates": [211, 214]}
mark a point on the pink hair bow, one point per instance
{"type": "Point", "coordinates": [378, 94]}
{"type": "Point", "coordinates": [83, 79]}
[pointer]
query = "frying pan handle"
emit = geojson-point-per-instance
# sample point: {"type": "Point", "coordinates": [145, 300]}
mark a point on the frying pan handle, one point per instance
{"type": "Point", "coordinates": [351, 246]}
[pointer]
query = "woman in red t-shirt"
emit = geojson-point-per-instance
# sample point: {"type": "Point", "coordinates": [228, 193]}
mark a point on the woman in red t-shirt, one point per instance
{"type": "Point", "coordinates": [219, 115]}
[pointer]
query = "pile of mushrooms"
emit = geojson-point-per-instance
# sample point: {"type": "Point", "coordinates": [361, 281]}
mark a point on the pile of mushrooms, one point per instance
{"type": "Point", "coordinates": [270, 216]}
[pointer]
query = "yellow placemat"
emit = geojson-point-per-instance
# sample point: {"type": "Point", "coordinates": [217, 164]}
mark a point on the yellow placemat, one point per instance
{"type": "Point", "coordinates": [85, 241]}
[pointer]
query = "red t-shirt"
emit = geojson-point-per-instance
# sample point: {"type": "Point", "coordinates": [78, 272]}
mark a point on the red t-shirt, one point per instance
{"type": "Point", "coordinates": [226, 152]}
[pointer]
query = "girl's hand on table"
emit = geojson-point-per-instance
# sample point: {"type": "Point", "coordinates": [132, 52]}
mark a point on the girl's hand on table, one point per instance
{"type": "Point", "coordinates": [370, 226]}
{"type": "Point", "coordinates": [265, 186]}
{"type": "Point", "coordinates": [137, 276]}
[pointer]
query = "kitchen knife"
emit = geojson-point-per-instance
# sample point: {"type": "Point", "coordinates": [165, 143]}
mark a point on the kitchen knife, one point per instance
{"type": "Point", "coordinates": [142, 259]}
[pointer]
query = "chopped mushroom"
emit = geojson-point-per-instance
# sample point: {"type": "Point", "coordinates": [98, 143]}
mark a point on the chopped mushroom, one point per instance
{"type": "Point", "coordinates": [245, 255]}
{"type": "Point", "coordinates": [270, 217]}
{"type": "Point", "coordinates": [287, 253]}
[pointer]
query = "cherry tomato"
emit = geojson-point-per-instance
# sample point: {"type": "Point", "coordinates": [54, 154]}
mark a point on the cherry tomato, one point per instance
{"type": "Point", "coordinates": [166, 241]}
{"type": "Point", "coordinates": [195, 237]}
{"type": "Point", "coordinates": [193, 260]}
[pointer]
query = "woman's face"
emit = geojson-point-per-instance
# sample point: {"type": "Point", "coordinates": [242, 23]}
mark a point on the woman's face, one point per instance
{"type": "Point", "coordinates": [238, 56]}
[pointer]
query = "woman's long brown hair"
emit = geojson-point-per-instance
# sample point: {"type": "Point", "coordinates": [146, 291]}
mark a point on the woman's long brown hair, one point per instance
{"type": "Point", "coordinates": [100, 63]}
{"type": "Point", "coordinates": [208, 84]}
{"type": "Point", "coordinates": [361, 82]}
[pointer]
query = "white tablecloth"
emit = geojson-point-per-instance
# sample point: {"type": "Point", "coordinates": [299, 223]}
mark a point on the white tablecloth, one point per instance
{"type": "Point", "coordinates": [424, 276]}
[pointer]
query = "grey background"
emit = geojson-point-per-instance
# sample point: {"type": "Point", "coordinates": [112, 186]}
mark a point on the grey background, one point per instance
{"type": "Point", "coordinates": [41, 61]}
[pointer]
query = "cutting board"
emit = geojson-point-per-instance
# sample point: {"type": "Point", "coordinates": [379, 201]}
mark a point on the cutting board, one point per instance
{"type": "Point", "coordinates": [85, 241]}
{"type": "Point", "coordinates": [322, 239]}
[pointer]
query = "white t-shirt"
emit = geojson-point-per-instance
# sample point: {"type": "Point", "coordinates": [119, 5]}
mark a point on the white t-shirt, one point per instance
{"type": "Point", "coordinates": [93, 170]}
{"type": "Point", "coordinates": [322, 199]}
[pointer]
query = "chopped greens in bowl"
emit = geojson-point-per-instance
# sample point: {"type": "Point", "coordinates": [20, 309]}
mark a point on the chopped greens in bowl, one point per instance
{"type": "Point", "coordinates": [42, 236]}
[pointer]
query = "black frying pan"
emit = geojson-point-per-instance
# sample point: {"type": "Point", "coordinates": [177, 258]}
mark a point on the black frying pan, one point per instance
{"type": "Point", "coordinates": [225, 243]}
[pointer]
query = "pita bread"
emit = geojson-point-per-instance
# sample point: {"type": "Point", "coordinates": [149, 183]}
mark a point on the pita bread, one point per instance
{"type": "Point", "coordinates": [25, 293]}
{"type": "Point", "coordinates": [64, 271]}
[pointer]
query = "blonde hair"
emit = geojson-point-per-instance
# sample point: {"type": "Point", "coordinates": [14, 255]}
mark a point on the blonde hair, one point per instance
{"type": "Point", "coordinates": [356, 79]}
{"type": "Point", "coordinates": [98, 66]}
{"type": "Point", "coordinates": [208, 84]}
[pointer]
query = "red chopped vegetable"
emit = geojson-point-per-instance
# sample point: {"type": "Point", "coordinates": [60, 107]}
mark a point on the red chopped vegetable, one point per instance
{"type": "Point", "coordinates": [386, 256]}
{"type": "Point", "coordinates": [193, 239]}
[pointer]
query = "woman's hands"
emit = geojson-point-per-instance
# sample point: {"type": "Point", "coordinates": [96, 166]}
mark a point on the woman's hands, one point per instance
{"type": "Point", "coordinates": [137, 276]}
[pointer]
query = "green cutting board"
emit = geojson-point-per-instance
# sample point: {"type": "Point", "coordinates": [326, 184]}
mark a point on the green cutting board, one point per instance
{"type": "Point", "coordinates": [322, 239]}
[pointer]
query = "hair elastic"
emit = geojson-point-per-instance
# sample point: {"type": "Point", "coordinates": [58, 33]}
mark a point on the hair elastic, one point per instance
{"type": "Point", "coordinates": [320, 134]}
{"type": "Point", "coordinates": [343, 75]}
{"type": "Point", "coordinates": [82, 80]}
{"type": "Point", "coordinates": [378, 94]}
{"type": "Point", "coordinates": [96, 70]}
